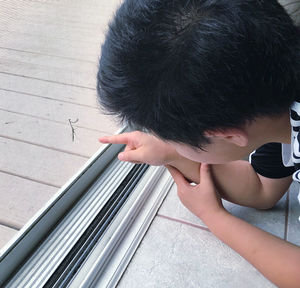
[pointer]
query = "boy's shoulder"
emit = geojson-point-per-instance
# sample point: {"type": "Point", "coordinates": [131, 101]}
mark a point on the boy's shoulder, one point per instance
{"type": "Point", "coordinates": [273, 160]}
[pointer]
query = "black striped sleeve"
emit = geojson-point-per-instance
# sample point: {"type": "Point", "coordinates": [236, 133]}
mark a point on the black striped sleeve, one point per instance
{"type": "Point", "coordinates": [267, 161]}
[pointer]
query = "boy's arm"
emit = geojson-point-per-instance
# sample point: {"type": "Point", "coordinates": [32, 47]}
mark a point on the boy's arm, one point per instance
{"type": "Point", "coordinates": [237, 182]}
{"type": "Point", "coordinates": [277, 260]}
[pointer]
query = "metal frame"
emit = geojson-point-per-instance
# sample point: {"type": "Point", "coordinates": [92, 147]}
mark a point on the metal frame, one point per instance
{"type": "Point", "coordinates": [28, 238]}
{"type": "Point", "coordinates": [31, 257]}
{"type": "Point", "coordinates": [111, 256]}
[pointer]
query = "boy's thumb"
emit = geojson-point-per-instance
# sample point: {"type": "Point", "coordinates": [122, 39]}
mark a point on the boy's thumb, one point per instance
{"type": "Point", "coordinates": [205, 173]}
{"type": "Point", "coordinates": [177, 176]}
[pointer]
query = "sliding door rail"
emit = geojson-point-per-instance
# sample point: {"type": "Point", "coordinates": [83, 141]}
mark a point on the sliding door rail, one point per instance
{"type": "Point", "coordinates": [87, 233]}
{"type": "Point", "coordinates": [70, 265]}
{"type": "Point", "coordinates": [37, 229]}
{"type": "Point", "coordinates": [109, 259]}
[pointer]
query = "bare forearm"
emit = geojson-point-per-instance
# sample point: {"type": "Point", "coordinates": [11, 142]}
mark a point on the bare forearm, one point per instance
{"type": "Point", "coordinates": [277, 260]}
{"type": "Point", "coordinates": [236, 182]}
{"type": "Point", "coordinates": [190, 169]}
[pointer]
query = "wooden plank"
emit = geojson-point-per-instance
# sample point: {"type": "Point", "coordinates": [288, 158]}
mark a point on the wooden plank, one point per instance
{"type": "Point", "coordinates": [60, 24]}
{"type": "Point", "coordinates": [50, 62]}
{"type": "Point", "coordinates": [49, 55]}
{"type": "Point", "coordinates": [89, 117]}
{"type": "Point", "coordinates": [56, 29]}
{"type": "Point", "coordinates": [71, 94]}
{"type": "Point", "coordinates": [6, 234]}
{"type": "Point", "coordinates": [292, 7]}
{"type": "Point", "coordinates": [61, 11]}
{"type": "Point", "coordinates": [49, 134]}
{"type": "Point", "coordinates": [37, 163]}
{"type": "Point", "coordinates": [84, 51]}
{"type": "Point", "coordinates": [21, 199]}
{"type": "Point", "coordinates": [64, 71]}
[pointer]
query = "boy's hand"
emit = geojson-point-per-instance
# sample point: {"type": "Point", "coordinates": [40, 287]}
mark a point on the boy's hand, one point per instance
{"type": "Point", "coordinates": [203, 199]}
{"type": "Point", "coordinates": [142, 148]}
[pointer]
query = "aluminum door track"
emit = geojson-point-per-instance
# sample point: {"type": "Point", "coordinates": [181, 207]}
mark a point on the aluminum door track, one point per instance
{"type": "Point", "coordinates": [86, 222]}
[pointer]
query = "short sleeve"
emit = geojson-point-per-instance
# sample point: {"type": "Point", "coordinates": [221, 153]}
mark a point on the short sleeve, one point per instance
{"type": "Point", "coordinates": [267, 161]}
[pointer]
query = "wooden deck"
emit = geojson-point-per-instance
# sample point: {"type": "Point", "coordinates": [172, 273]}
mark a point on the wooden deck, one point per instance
{"type": "Point", "coordinates": [49, 53]}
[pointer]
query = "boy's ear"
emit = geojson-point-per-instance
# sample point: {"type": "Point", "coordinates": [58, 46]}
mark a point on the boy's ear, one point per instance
{"type": "Point", "coordinates": [235, 136]}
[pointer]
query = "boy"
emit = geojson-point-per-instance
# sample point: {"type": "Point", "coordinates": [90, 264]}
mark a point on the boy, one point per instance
{"type": "Point", "coordinates": [212, 81]}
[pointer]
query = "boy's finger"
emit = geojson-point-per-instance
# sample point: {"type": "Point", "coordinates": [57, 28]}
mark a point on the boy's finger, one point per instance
{"type": "Point", "coordinates": [127, 148]}
{"type": "Point", "coordinates": [131, 156]}
{"type": "Point", "coordinates": [177, 176]}
{"type": "Point", "coordinates": [115, 139]}
{"type": "Point", "coordinates": [205, 174]}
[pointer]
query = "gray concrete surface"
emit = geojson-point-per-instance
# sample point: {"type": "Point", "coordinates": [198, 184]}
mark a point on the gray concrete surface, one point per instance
{"type": "Point", "coordinates": [273, 220]}
{"type": "Point", "coordinates": [293, 228]}
{"type": "Point", "coordinates": [179, 251]}
{"type": "Point", "coordinates": [176, 255]}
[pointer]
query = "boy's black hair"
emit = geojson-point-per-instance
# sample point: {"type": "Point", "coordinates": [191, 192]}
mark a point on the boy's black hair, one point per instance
{"type": "Point", "coordinates": [182, 67]}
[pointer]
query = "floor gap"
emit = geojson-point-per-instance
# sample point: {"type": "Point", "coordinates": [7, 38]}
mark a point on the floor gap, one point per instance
{"type": "Point", "coordinates": [184, 222]}
{"type": "Point", "coordinates": [29, 178]}
{"type": "Point", "coordinates": [45, 146]}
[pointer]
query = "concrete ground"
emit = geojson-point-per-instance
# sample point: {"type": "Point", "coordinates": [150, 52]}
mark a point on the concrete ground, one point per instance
{"type": "Point", "coordinates": [179, 250]}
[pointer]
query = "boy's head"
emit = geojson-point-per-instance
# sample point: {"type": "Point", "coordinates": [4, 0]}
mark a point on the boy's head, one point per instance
{"type": "Point", "coordinates": [184, 68]}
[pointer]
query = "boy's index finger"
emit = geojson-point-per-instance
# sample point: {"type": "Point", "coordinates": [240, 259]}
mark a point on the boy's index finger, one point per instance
{"type": "Point", "coordinates": [115, 139]}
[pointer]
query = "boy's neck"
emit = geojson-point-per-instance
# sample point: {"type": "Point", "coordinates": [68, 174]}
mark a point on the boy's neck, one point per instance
{"type": "Point", "coordinates": [271, 129]}
{"type": "Point", "coordinates": [275, 129]}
